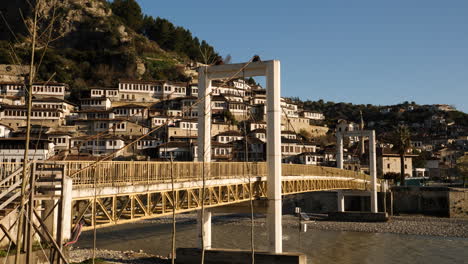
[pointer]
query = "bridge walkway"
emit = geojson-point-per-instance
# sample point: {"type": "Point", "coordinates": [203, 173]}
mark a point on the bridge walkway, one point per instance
{"type": "Point", "coordinates": [122, 192]}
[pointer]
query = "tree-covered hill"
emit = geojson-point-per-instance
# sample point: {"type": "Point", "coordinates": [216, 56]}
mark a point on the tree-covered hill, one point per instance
{"type": "Point", "coordinates": [422, 119]}
{"type": "Point", "coordinates": [97, 42]}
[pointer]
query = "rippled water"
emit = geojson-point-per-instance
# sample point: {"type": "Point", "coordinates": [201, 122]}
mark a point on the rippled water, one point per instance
{"type": "Point", "coordinates": [320, 246]}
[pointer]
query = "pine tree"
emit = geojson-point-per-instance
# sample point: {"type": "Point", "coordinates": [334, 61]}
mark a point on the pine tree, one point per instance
{"type": "Point", "coordinates": [130, 12]}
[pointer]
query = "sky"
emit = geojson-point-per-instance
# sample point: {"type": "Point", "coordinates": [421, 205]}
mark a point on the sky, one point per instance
{"type": "Point", "coordinates": [360, 51]}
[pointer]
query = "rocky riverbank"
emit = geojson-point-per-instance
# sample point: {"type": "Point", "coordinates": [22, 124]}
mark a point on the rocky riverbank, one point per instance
{"type": "Point", "coordinates": [408, 225]}
{"type": "Point", "coordinates": [77, 255]}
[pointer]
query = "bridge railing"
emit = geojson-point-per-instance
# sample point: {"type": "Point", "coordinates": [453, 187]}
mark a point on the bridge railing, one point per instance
{"type": "Point", "coordinates": [117, 173]}
{"type": "Point", "coordinates": [120, 173]}
{"type": "Point", "coordinates": [123, 173]}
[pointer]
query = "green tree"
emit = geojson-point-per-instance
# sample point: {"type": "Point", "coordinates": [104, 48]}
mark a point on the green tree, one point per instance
{"type": "Point", "coordinates": [130, 12]}
{"type": "Point", "coordinates": [401, 143]}
{"type": "Point", "coordinates": [251, 81]}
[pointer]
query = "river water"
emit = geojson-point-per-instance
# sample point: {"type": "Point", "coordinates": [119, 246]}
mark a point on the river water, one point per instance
{"type": "Point", "coordinates": [320, 246]}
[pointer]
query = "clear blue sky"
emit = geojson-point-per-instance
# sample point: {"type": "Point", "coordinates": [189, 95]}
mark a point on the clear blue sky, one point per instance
{"type": "Point", "coordinates": [359, 51]}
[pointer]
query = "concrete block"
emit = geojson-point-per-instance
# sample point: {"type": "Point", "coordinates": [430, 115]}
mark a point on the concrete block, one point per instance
{"type": "Point", "coordinates": [358, 216]}
{"type": "Point", "coordinates": [458, 202]}
{"type": "Point", "coordinates": [234, 256]}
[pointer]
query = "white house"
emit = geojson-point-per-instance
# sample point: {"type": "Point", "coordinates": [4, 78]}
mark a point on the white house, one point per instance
{"type": "Point", "coordinates": [96, 103]}
{"type": "Point", "coordinates": [13, 149]}
{"type": "Point", "coordinates": [5, 131]}
{"type": "Point", "coordinates": [312, 115]}
{"type": "Point", "coordinates": [228, 136]}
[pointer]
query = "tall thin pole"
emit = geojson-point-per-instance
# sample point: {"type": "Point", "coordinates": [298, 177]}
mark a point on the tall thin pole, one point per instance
{"type": "Point", "coordinates": [28, 132]}
{"type": "Point", "coordinates": [173, 212]}
{"type": "Point", "coordinates": [361, 127]}
{"type": "Point", "coordinates": [32, 182]}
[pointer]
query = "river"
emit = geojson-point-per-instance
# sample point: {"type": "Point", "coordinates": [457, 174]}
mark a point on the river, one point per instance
{"type": "Point", "coordinates": [154, 236]}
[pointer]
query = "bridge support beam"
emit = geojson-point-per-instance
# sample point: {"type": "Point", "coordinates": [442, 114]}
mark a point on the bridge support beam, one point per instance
{"type": "Point", "coordinates": [373, 171]}
{"type": "Point", "coordinates": [339, 150]}
{"type": "Point", "coordinates": [372, 158]}
{"type": "Point", "coordinates": [271, 70]}
{"type": "Point", "coordinates": [341, 201]}
{"type": "Point", "coordinates": [204, 224]}
{"type": "Point", "coordinates": [274, 221]}
{"type": "Point", "coordinates": [204, 116]}
{"type": "Point", "coordinates": [204, 152]}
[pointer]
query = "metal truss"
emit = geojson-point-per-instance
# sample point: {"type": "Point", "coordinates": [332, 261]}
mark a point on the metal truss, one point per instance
{"type": "Point", "coordinates": [108, 210]}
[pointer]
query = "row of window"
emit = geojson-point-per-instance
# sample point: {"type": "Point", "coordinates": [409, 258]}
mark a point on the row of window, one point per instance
{"type": "Point", "coordinates": [150, 87]}
{"type": "Point", "coordinates": [13, 87]}
{"type": "Point", "coordinates": [98, 115]}
{"type": "Point", "coordinates": [21, 113]}
{"type": "Point", "coordinates": [125, 111]}
{"type": "Point", "coordinates": [237, 107]}
{"type": "Point", "coordinates": [147, 143]}
{"type": "Point", "coordinates": [191, 114]}
{"type": "Point", "coordinates": [227, 138]}
{"type": "Point", "coordinates": [222, 151]}
{"type": "Point", "coordinates": [92, 102]}
{"type": "Point", "coordinates": [189, 125]}
{"type": "Point", "coordinates": [293, 149]}
{"type": "Point", "coordinates": [59, 140]}
{"type": "Point", "coordinates": [48, 89]}
{"type": "Point", "coordinates": [97, 143]}
{"type": "Point", "coordinates": [48, 106]}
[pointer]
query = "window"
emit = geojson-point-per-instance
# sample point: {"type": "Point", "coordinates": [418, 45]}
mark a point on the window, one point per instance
{"type": "Point", "coordinates": [388, 166]}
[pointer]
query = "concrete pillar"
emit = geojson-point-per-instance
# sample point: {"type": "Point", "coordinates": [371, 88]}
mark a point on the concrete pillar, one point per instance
{"type": "Point", "coordinates": [204, 116]}
{"type": "Point", "coordinates": [373, 171]}
{"type": "Point", "coordinates": [51, 211]}
{"type": "Point", "coordinates": [274, 222]}
{"type": "Point", "coordinates": [204, 148]}
{"type": "Point", "coordinates": [341, 201]}
{"type": "Point", "coordinates": [339, 150]}
{"type": "Point", "coordinates": [67, 208]}
{"type": "Point", "coordinates": [204, 223]}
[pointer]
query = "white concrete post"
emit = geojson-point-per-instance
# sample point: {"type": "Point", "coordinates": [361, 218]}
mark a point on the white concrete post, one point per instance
{"type": "Point", "coordinates": [204, 147]}
{"type": "Point", "coordinates": [339, 150]}
{"type": "Point", "coordinates": [205, 225]}
{"type": "Point", "coordinates": [373, 171]}
{"type": "Point", "coordinates": [341, 201]}
{"type": "Point", "coordinates": [67, 208]}
{"type": "Point", "coordinates": [273, 90]}
{"type": "Point", "coordinates": [204, 116]}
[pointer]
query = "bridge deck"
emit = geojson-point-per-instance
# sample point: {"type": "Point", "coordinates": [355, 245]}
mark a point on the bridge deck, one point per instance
{"type": "Point", "coordinates": [115, 192]}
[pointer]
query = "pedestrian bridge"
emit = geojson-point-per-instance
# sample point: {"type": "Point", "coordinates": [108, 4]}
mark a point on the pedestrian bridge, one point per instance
{"type": "Point", "coordinates": [120, 192]}
{"type": "Point", "coordinates": [117, 192]}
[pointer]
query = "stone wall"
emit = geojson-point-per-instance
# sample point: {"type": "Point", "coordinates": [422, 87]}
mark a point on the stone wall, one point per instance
{"type": "Point", "coordinates": [458, 202]}
{"type": "Point", "coordinates": [326, 201]}
{"type": "Point", "coordinates": [439, 201]}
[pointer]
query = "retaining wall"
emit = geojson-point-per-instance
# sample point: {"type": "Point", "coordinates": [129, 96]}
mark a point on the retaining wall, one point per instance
{"type": "Point", "coordinates": [437, 201]}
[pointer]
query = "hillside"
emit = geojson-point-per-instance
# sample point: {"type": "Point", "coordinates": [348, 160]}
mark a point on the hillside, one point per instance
{"type": "Point", "coordinates": [422, 119]}
{"type": "Point", "coordinates": [97, 42]}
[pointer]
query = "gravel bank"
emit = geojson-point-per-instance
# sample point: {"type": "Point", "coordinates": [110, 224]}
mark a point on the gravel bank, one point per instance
{"type": "Point", "coordinates": [78, 255]}
{"type": "Point", "coordinates": [408, 225]}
